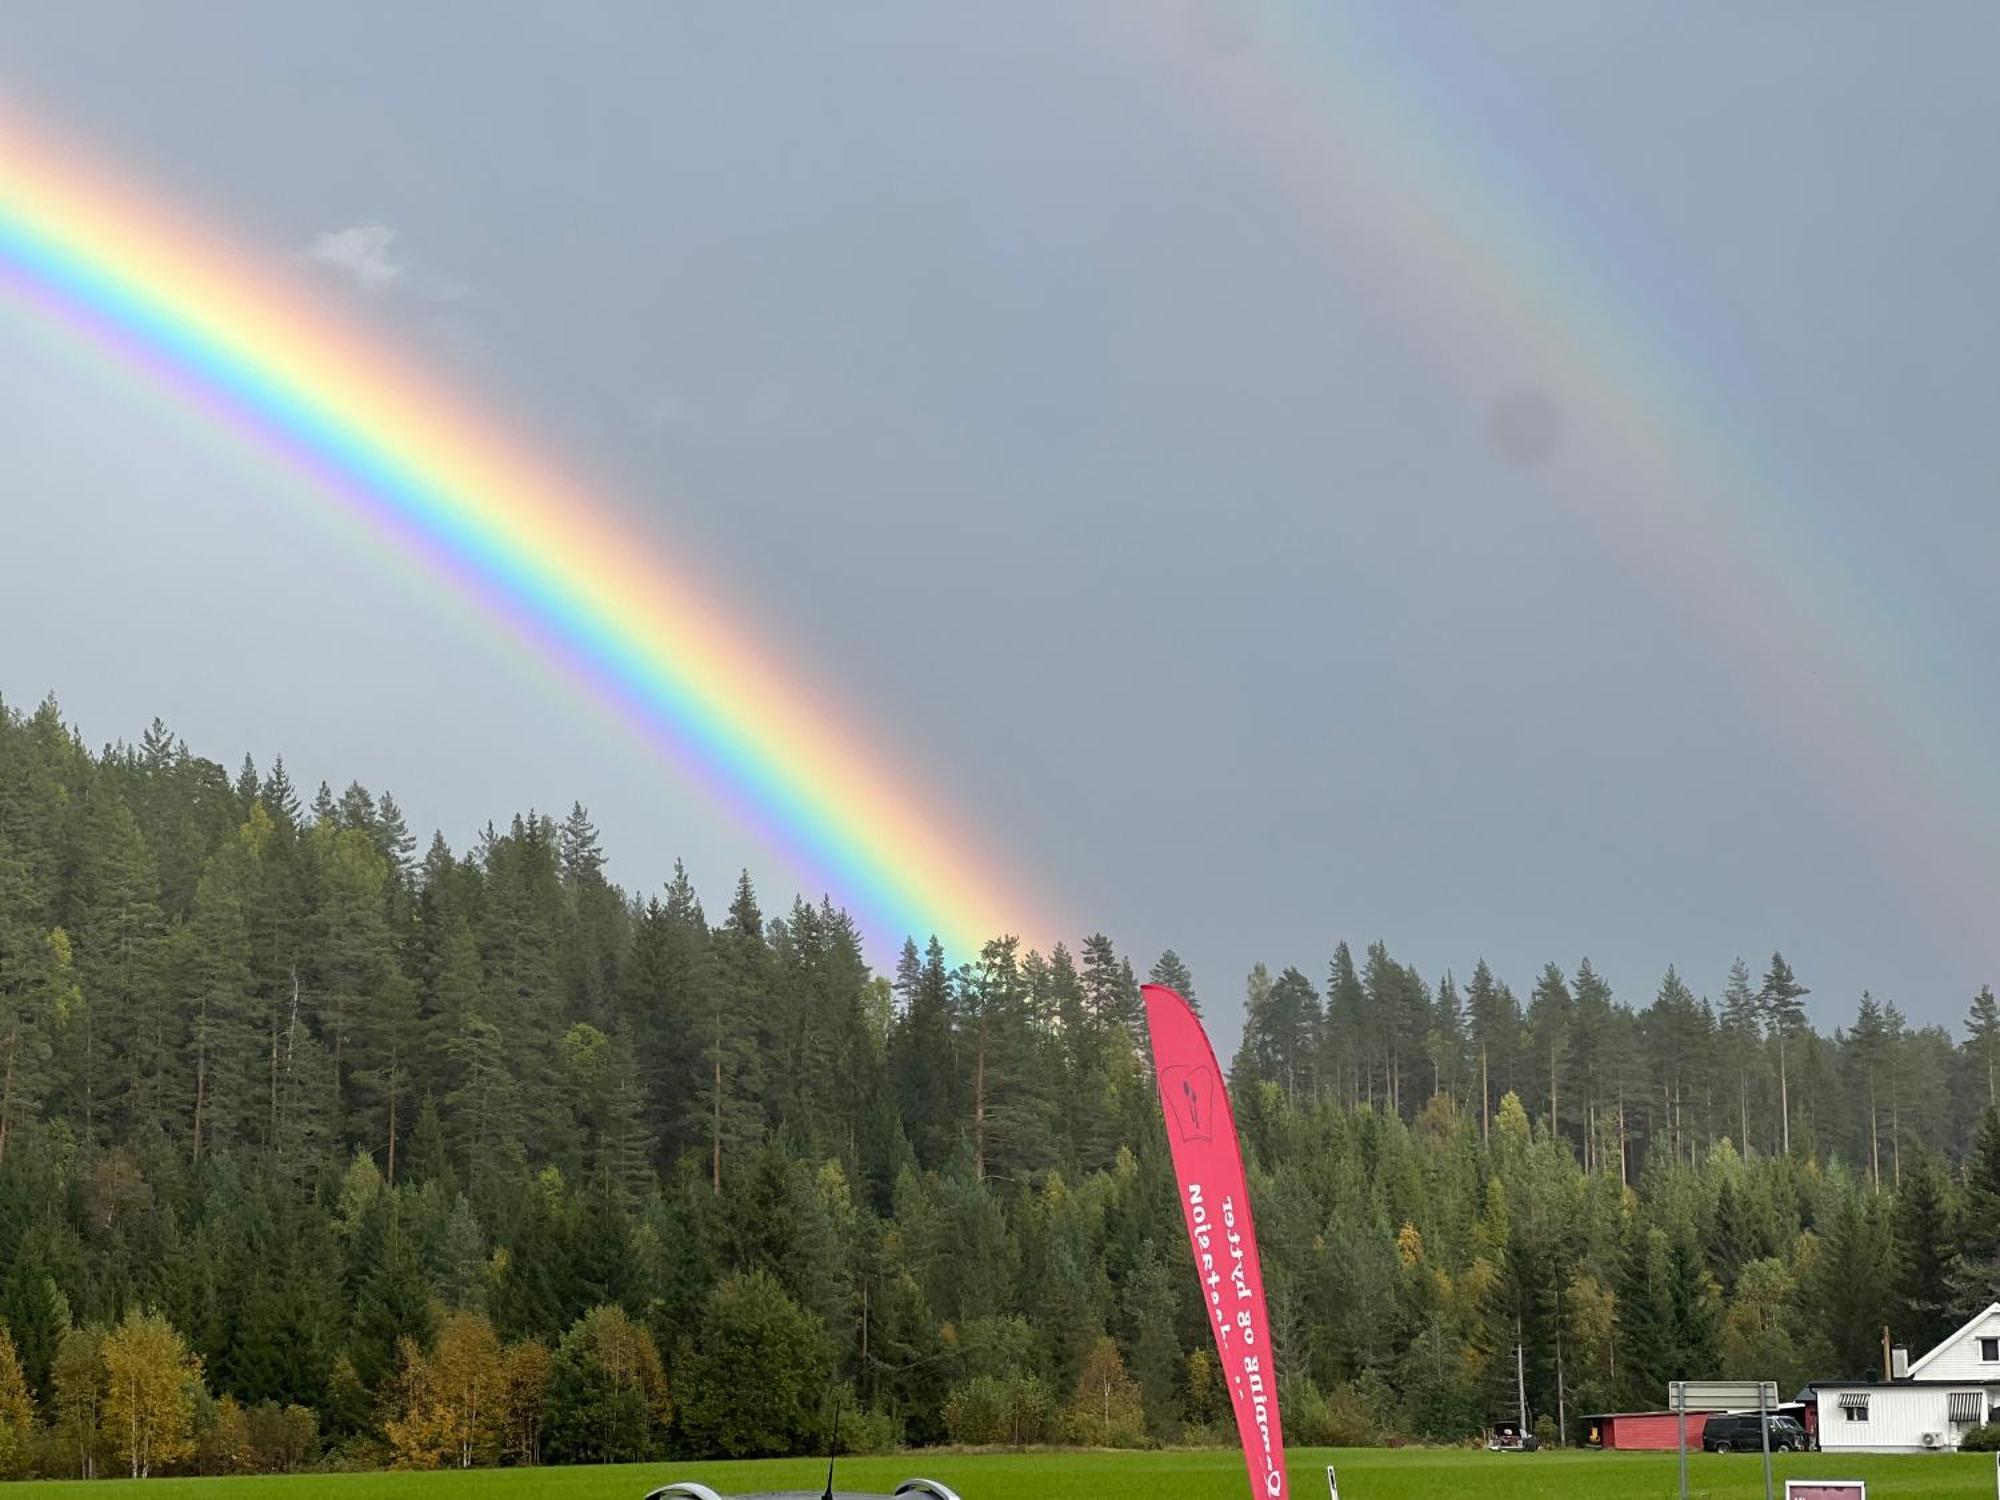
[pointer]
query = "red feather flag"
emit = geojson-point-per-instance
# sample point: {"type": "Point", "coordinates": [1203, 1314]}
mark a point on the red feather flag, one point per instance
{"type": "Point", "coordinates": [1215, 1202]}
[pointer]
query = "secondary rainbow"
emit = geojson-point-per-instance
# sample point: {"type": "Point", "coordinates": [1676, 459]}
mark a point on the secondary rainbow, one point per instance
{"type": "Point", "coordinates": [446, 486]}
{"type": "Point", "coordinates": [1497, 281]}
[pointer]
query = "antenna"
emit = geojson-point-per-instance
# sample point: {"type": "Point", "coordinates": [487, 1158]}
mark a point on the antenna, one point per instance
{"type": "Point", "coordinates": [832, 1444]}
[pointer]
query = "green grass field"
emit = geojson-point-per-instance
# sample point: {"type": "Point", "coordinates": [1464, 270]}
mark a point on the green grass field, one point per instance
{"type": "Point", "coordinates": [1365, 1474]}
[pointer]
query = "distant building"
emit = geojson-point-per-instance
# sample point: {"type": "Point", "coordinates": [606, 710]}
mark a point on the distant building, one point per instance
{"type": "Point", "coordinates": [1954, 1387]}
{"type": "Point", "coordinates": [1651, 1431]}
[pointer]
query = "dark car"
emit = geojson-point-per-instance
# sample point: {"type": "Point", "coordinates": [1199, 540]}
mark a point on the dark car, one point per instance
{"type": "Point", "coordinates": [1736, 1432]}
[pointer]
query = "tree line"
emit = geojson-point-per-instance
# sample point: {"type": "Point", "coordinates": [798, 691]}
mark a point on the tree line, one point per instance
{"type": "Point", "coordinates": [315, 1150]}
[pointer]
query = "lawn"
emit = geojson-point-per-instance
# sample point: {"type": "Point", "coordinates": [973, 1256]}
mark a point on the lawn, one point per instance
{"type": "Point", "coordinates": [1365, 1474]}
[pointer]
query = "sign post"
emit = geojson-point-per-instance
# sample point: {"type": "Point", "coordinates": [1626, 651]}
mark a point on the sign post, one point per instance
{"type": "Point", "coordinates": [1685, 1396]}
{"type": "Point", "coordinates": [1679, 1392]}
{"type": "Point", "coordinates": [1764, 1433]}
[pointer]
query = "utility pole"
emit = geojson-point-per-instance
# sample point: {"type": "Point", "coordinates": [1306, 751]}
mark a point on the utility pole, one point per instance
{"type": "Point", "coordinates": [1521, 1377]}
{"type": "Point", "coordinates": [1562, 1409]}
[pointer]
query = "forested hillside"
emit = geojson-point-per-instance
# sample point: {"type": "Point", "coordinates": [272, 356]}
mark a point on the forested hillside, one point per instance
{"type": "Point", "coordinates": [315, 1148]}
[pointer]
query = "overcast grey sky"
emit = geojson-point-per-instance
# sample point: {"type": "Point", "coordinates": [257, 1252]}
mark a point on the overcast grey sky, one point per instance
{"type": "Point", "coordinates": [982, 358]}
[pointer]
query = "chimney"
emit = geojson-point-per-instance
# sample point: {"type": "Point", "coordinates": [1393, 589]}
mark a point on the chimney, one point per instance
{"type": "Point", "coordinates": [1899, 1363]}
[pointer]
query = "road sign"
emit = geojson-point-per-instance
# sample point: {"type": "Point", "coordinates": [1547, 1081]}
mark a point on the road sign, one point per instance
{"type": "Point", "coordinates": [1760, 1396]}
{"type": "Point", "coordinates": [1722, 1395]}
{"type": "Point", "coordinates": [1826, 1489]}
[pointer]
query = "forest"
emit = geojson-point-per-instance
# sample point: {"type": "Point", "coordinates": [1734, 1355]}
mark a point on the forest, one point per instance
{"type": "Point", "coordinates": [319, 1149]}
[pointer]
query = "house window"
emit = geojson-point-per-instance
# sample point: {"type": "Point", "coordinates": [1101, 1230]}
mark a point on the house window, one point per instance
{"type": "Point", "coordinates": [1965, 1407]}
{"type": "Point", "coordinates": [1854, 1406]}
{"type": "Point", "coordinates": [1989, 1351]}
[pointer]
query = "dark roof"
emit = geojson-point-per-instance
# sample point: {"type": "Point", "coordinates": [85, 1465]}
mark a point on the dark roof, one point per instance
{"type": "Point", "coordinates": [1693, 1411]}
{"type": "Point", "coordinates": [1878, 1384]}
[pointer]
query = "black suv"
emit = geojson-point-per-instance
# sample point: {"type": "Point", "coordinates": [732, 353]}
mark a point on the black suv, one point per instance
{"type": "Point", "coordinates": [1736, 1432]}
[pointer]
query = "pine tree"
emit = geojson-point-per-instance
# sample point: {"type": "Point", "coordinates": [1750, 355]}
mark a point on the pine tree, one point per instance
{"type": "Point", "coordinates": [1109, 997]}
{"type": "Point", "coordinates": [1982, 1025]}
{"type": "Point", "coordinates": [1551, 1016]}
{"type": "Point", "coordinates": [1869, 1044]}
{"type": "Point", "coordinates": [31, 978]}
{"type": "Point", "coordinates": [1741, 1030]}
{"type": "Point", "coordinates": [1495, 1020]}
{"type": "Point", "coordinates": [1780, 1001]}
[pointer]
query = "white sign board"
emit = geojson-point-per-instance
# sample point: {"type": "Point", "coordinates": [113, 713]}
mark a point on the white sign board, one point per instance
{"type": "Point", "coordinates": [1722, 1395]}
{"type": "Point", "coordinates": [1826, 1489]}
{"type": "Point", "coordinates": [1332, 1484]}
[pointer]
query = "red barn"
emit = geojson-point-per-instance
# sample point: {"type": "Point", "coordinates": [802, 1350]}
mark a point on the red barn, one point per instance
{"type": "Point", "coordinates": [1650, 1430]}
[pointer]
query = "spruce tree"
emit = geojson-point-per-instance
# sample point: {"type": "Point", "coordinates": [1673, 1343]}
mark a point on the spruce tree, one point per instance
{"type": "Point", "coordinates": [1927, 1271]}
{"type": "Point", "coordinates": [1168, 969]}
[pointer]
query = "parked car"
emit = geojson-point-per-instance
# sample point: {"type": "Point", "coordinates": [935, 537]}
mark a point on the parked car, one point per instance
{"type": "Point", "coordinates": [910, 1489]}
{"type": "Point", "coordinates": [1736, 1432]}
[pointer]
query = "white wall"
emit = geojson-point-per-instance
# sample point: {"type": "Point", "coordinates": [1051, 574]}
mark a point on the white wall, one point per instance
{"type": "Point", "coordinates": [1958, 1357]}
{"type": "Point", "coordinates": [1898, 1418]}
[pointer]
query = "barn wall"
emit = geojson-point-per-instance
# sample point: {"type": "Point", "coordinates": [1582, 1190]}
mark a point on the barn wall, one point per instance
{"type": "Point", "coordinates": [1652, 1431]}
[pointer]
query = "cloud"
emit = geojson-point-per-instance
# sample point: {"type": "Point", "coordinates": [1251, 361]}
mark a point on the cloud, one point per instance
{"type": "Point", "coordinates": [364, 253]}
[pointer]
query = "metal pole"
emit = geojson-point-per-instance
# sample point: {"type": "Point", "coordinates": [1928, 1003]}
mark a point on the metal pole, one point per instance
{"type": "Point", "coordinates": [1764, 1429]}
{"type": "Point", "coordinates": [1681, 1412]}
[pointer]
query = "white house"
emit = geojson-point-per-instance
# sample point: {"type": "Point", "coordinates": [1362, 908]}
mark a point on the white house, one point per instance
{"type": "Point", "coordinates": [1952, 1388]}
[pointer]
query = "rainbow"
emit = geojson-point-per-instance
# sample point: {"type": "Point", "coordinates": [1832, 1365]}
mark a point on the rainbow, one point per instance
{"type": "Point", "coordinates": [1497, 282]}
{"type": "Point", "coordinates": [445, 486]}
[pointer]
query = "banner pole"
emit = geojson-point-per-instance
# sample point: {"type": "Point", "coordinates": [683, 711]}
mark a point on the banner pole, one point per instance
{"type": "Point", "coordinates": [1214, 1192]}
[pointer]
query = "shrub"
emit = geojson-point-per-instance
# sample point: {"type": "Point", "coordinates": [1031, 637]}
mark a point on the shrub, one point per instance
{"type": "Point", "coordinates": [990, 1409]}
{"type": "Point", "coordinates": [1983, 1439]}
{"type": "Point", "coordinates": [1343, 1420]}
{"type": "Point", "coordinates": [869, 1431]}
